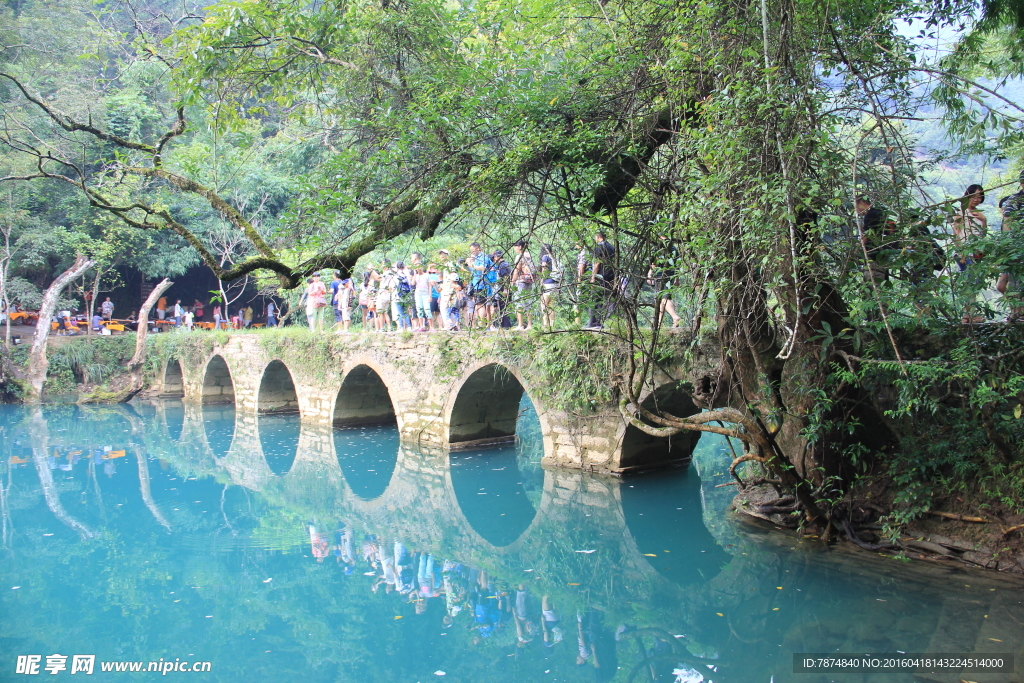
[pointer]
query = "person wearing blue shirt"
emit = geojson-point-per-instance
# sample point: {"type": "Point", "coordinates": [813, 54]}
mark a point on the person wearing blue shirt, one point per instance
{"type": "Point", "coordinates": [480, 266]}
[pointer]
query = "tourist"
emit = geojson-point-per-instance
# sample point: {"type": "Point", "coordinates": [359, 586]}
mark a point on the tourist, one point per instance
{"type": "Point", "coordinates": [969, 223]}
{"type": "Point", "coordinates": [178, 313]}
{"type": "Point", "coordinates": [523, 273]}
{"type": "Point", "coordinates": [247, 316]}
{"type": "Point", "coordinates": [197, 310]}
{"type": "Point", "coordinates": [443, 268]}
{"type": "Point", "coordinates": [602, 282]}
{"type": "Point", "coordinates": [271, 314]}
{"type": "Point", "coordinates": [367, 299]}
{"type": "Point", "coordinates": [452, 299]}
{"type": "Point", "coordinates": [316, 302]}
{"type": "Point", "coordinates": [107, 308]}
{"type": "Point", "coordinates": [481, 270]}
{"type": "Point", "coordinates": [385, 282]}
{"type": "Point", "coordinates": [1013, 221]}
{"type": "Point", "coordinates": [500, 290]}
{"type": "Point", "coordinates": [583, 265]}
{"type": "Point", "coordinates": [97, 322]}
{"type": "Point", "coordinates": [402, 296]}
{"type": "Point", "coordinates": [333, 299]}
{"type": "Point", "coordinates": [344, 303]}
{"type": "Point", "coordinates": [161, 308]}
{"type": "Point", "coordinates": [216, 317]}
{"type": "Point", "coordinates": [187, 319]}
{"type": "Point", "coordinates": [661, 276]}
{"type": "Point", "coordinates": [551, 276]}
{"type": "Point", "coordinates": [422, 320]}
{"type": "Point", "coordinates": [875, 236]}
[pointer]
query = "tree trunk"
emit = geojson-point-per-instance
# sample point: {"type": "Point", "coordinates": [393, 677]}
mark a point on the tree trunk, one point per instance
{"type": "Point", "coordinates": [38, 364]}
{"type": "Point", "coordinates": [135, 364]}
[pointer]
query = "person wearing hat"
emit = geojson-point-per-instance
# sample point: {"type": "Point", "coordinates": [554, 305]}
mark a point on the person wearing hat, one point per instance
{"type": "Point", "coordinates": [1013, 221]}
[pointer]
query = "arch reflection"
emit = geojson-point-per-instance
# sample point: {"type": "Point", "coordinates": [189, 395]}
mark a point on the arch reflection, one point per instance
{"type": "Point", "coordinates": [499, 489]}
{"type": "Point", "coordinates": [279, 440]}
{"type": "Point", "coordinates": [367, 456]}
{"type": "Point", "coordinates": [660, 510]}
{"type": "Point", "coordinates": [174, 418]}
{"type": "Point", "coordinates": [219, 427]}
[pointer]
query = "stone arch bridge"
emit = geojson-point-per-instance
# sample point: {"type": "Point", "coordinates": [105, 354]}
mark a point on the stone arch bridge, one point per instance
{"type": "Point", "coordinates": [450, 392]}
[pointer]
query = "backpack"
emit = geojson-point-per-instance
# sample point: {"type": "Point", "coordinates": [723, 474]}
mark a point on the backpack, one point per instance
{"type": "Point", "coordinates": [403, 286]}
{"type": "Point", "coordinates": [556, 269]}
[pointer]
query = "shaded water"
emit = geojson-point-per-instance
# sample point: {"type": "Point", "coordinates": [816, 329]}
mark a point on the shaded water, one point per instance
{"type": "Point", "coordinates": [280, 552]}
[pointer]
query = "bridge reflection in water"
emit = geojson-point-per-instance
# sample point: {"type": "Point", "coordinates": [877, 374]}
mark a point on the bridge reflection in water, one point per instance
{"type": "Point", "coordinates": [281, 551]}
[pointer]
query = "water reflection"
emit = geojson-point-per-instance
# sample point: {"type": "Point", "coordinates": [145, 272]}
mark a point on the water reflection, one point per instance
{"type": "Point", "coordinates": [499, 489]}
{"type": "Point", "coordinates": [663, 511]}
{"type": "Point", "coordinates": [219, 426]}
{"type": "Point", "coordinates": [279, 440]}
{"type": "Point", "coordinates": [367, 456]}
{"type": "Point", "coordinates": [174, 418]}
{"type": "Point", "coordinates": [374, 580]}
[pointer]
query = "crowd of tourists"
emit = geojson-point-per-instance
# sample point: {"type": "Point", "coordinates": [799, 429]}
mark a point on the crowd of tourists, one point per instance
{"type": "Point", "coordinates": [487, 290]}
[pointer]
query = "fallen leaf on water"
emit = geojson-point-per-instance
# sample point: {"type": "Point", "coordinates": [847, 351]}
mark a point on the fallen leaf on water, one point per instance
{"type": "Point", "coordinates": [649, 555]}
{"type": "Point", "coordinates": [398, 617]}
{"type": "Point", "coordinates": [14, 588]}
{"type": "Point", "coordinates": [439, 673]}
{"type": "Point", "coordinates": [267, 580]}
{"type": "Point", "coordinates": [779, 587]}
{"type": "Point", "coordinates": [573, 584]}
{"type": "Point", "coordinates": [995, 640]}
{"type": "Point", "coordinates": [775, 609]}
{"type": "Point", "coordinates": [585, 552]}
{"type": "Point", "coordinates": [719, 614]}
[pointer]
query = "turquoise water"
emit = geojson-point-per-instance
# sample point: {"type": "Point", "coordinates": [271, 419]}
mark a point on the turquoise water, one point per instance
{"type": "Point", "coordinates": [279, 552]}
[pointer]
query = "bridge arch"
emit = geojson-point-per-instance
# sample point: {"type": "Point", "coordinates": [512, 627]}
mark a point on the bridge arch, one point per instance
{"type": "Point", "coordinates": [277, 390]}
{"type": "Point", "coordinates": [363, 398]}
{"type": "Point", "coordinates": [173, 385]}
{"type": "Point", "coordinates": [483, 408]}
{"type": "Point", "coordinates": [218, 386]}
{"type": "Point", "coordinates": [640, 450]}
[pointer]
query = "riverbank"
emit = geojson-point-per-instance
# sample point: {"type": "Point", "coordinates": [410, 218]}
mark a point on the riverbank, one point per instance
{"type": "Point", "coordinates": [993, 540]}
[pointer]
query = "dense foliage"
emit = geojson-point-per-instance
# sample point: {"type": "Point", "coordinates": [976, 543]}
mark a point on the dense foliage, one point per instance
{"type": "Point", "coordinates": [274, 137]}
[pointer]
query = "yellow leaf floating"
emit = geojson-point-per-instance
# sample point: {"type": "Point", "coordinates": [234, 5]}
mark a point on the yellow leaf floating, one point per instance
{"type": "Point", "coordinates": [649, 555]}
{"type": "Point", "coordinates": [398, 617]}
{"type": "Point", "coordinates": [779, 587]}
{"type": "Point", "coordinates": [573, 584]}
{"type": "Point", "coordinates": [719, 614]}
{"type": "Point", "coordinates": [775, 609]}
{"type": "Point", "coordinates": [995, 640]}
